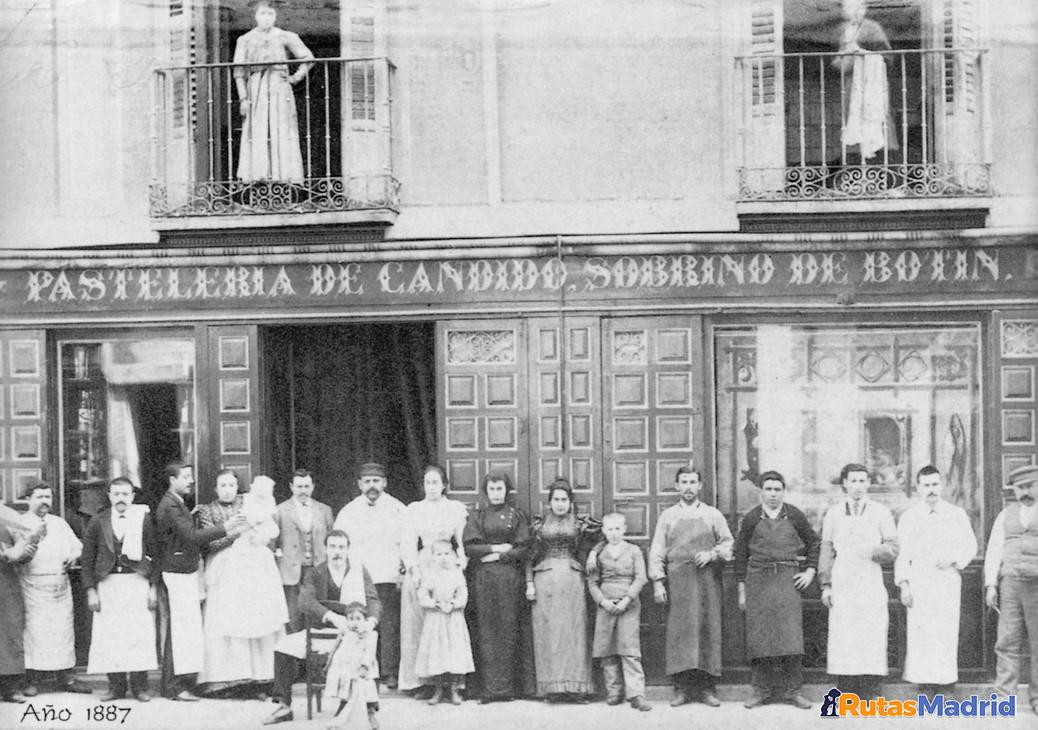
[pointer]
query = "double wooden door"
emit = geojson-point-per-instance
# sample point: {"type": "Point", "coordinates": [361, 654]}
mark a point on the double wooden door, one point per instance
{"type": "Point", "coordinates": [613, 404]}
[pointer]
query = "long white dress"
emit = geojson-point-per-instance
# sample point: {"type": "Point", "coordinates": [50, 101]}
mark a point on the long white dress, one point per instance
{"type": "Point", "coordinates": [270, 133]}
{"type": "Point", "coordinates": [925, 537]}
{"type": "Point", "coordinates": [424, 523]}
{"type": "Point", "coordinates": [245, 610]}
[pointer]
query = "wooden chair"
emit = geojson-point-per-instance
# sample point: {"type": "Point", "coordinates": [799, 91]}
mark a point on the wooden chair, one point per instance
{"type": "Point", "coordinates": [319, 644]}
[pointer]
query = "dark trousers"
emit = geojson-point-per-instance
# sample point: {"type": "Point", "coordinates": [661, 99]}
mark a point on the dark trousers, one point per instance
{"type": "Point", "coordinates": [778, 676]}
{"type": "Point", "coordinates": [864, 685]}
{"type": "Point", "coordinates": [295, 620]}
{"type": "Point", "coordinates": [117, 682]}
{"type": "Point", "coordinates": [11, 683]}
{"type": "Point", "coordinates": [1017, 634]}
{"type": "Point", "coordinates": [389, 629]}
{"type": "Point", "coordinates": [694, 681]}
{"type": "Point", "coordinates": [286, 669]}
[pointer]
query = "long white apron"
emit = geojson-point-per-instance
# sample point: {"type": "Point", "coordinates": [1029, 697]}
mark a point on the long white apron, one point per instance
{"type": "Point", "coordinates": [49, 636]}
{"type": "Point", "coordinates": [858, 620]}
{"type": "Point", "coordinates": [123, 635]}
{"type": "Point", "coordinates": [933, 657]}
{"type": "Point", "coordinates": [185, 622]}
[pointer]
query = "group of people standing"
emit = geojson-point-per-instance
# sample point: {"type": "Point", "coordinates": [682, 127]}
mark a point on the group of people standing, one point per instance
{"type": "Point", "coordinates": [487, 597]}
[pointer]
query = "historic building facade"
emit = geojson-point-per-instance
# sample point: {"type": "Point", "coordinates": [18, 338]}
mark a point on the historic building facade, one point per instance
{"type": "Point", "coordinates": [600, 239]}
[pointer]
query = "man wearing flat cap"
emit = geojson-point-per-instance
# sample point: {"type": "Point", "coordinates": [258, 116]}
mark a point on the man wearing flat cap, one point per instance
{"type": "Point", "coordinates": [374, 521]}
{"type": "Point", "coordinates": [1011, 582]}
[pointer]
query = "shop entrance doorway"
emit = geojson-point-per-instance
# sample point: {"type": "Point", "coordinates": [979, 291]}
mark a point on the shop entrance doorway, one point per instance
{"type": "Point", "coordinates": [342, 395]}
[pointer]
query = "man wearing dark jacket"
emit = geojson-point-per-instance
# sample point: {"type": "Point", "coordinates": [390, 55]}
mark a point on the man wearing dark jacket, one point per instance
{"type": "Point", "coordinates": [121, 580]}
{"type": "Point", "coordinates": [334, 580]}
{"type": "Point", "coordinates": [180, 542]}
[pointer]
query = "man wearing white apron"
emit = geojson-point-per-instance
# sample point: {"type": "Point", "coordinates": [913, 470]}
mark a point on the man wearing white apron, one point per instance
{"type": "Point", "coordinates": [180, 542]}
{"type": "Point", "coordinates": [49, 637]}
{"type": "Point", "coordinates": [121, 584]}
{"type": "Point", "coordinates": [936, 542]}
{"type": "Point", "coordinates": [858, 535]}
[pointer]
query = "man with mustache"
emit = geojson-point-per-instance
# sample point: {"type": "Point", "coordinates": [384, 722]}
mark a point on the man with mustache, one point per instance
{"type": "Point", "coordinates": [374, 521]}
{"type": "Point", "coordinates": [1011, 581]}
{"type": "Point", "coordinates": [121, 582]}
{"type": "Point", "coordinates": [303, 523]}
{"type": "Point", "coordinates": [337, 583]}
{"type": "Point", "coordinates": [179, 551]}
{"type": "Point", "coordinates": [50, 641]}
{"type": "Point", "coordinates": [936, 542]}
{"type": "Point", "coordinates": [691, 541]}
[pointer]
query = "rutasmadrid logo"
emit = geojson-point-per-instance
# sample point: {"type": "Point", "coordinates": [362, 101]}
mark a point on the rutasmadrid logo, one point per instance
{"type": "Point", "coordinates": [847, 704]}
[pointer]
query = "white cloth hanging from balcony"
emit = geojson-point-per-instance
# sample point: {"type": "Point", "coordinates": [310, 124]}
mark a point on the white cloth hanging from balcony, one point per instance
{"type": "Point", "coordinates": [868, 122]}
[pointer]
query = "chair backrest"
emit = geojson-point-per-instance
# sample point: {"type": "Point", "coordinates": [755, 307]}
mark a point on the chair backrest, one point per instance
{"type": "Point", "coordinates": [319, 644]}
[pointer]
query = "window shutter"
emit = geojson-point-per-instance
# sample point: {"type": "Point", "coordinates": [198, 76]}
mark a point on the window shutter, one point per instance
{"type": "Point", "coordinates": [957, 96]}
{"type": "Point", "coordinates": [365, 106]}
{"type": "Point", "coordinates": [764, 98]}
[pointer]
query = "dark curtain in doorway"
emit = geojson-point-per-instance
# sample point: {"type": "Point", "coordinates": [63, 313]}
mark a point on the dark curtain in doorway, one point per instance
{"type": "Point", "coordinates": [340, 396]}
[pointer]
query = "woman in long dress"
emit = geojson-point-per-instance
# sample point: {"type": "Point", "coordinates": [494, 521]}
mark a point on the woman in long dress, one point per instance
{"type": "Point", "coordinates": [433, 518]}
{"type": "Point", "coordinates": [245, 609]}
{"type": "Point", "coordinates": [496, 541]}
{"type": "Point", "coordinates": [270, 125]}
{"type": "Point", "coordinates": [555, 584]}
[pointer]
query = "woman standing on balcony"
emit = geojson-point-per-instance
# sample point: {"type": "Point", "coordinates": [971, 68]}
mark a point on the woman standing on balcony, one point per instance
{"type": "Point", "coordinates": [270, 127]}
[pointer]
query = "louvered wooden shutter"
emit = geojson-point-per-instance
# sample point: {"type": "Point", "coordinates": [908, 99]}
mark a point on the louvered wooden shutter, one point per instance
{"type": "Point", "coordinates": [956, 91]}
{"type": "Point", "coordinates": [763, 81]}
{"type": "Point", "coordinates": [365, 106]}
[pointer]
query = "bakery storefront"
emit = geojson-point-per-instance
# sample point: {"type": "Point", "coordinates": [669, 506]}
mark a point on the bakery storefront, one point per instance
{"type": "Point", "coordinates": [611, 361]}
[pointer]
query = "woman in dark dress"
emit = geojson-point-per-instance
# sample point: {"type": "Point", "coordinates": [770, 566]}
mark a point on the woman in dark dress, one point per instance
{"type": "Point", "coordinates": [555, 584]}
{"type": "Point", "coordinates": [496, 539]}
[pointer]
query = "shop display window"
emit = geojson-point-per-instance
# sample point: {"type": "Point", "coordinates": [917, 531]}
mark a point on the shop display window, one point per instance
{"type": "Point", "coordinates": [805, 400]}
{"type": "Point", "coordinates": [127, 409]}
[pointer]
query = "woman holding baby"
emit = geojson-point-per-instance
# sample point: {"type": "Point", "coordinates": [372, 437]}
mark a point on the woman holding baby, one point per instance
{"type": "Point", "coordinates": [245, 610]}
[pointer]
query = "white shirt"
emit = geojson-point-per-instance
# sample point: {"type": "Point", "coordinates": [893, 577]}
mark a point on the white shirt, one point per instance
{"type": "Point", "coordinates": [119, 525]}
{"type": "Point", "coordinates": [375, 530]}
{"type": "Point", "coordinates": [305, 513]}
{"type": "Point", "coordinates": [997, 541]}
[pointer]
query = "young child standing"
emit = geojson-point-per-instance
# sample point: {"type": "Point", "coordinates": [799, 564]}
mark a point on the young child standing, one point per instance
{"type": "Point", "coordinates": [444, 650]}
{"type": "Point", "coordinates": [352, 668]}
{"type": "Point", "coordinates": [615, 577]}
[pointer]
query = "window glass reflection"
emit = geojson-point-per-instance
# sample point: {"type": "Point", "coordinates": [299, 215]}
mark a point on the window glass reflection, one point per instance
{"type": "Point", "coordinates": [805, 400]}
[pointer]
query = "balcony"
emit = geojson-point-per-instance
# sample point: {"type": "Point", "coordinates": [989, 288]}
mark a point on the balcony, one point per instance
{"type": "Point", "coordinates": [920, 117]}
{"type": "Point", "coordinates": [316, 152]}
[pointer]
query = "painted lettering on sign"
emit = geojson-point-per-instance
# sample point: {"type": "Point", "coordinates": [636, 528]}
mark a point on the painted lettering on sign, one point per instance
{"type": "Point", "coordinates": [677, 275]}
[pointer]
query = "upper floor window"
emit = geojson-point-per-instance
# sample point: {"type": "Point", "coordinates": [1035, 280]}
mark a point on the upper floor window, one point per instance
{"type": "Point", "coordinates": [862, 99]}
{"type": "Point", "coordinates": [273, 110]}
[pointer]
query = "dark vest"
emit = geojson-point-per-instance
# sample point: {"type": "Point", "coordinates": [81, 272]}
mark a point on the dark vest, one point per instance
{"type": "Point", "coordinates": [1020, 554]}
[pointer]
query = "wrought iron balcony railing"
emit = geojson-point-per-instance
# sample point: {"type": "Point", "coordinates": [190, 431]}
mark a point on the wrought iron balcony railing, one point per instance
{"type": "Point", "coordinates": [321, 145]}
{"type": "Point", "coordinates": [826, 126]}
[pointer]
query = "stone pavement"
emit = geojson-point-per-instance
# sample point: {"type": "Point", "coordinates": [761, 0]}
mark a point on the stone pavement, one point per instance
{"type": "Point", "coordinates": [399, 712]}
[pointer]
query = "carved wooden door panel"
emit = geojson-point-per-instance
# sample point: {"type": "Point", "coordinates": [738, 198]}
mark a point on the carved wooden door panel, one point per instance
{"type": "Point", "coordinates": [232, 396]}
{"type": "Point", "coordinates": [481, 404]}
{"type": "Point", "coordinates": [565, 397]}
{"type": "Point", "coordinates": [652, 373]}
{"type": "Point", "coordinates": [23, 412]}
{"type": "Point", "coordinates": [653, 392]}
